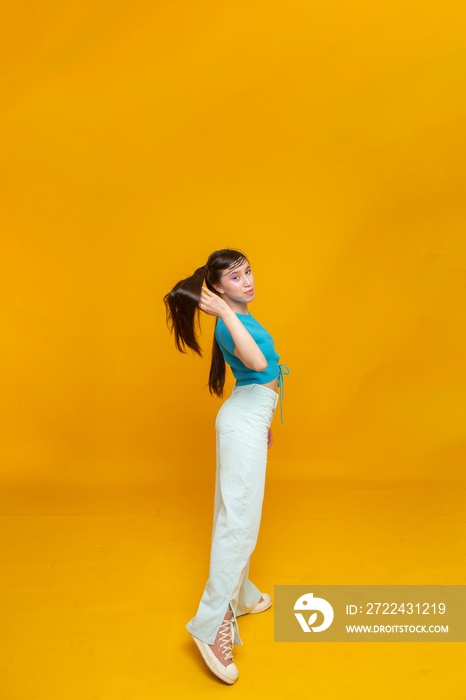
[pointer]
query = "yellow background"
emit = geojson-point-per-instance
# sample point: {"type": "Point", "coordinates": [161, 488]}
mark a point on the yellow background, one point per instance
{"type": "Point", "coordinates": [327, 141]}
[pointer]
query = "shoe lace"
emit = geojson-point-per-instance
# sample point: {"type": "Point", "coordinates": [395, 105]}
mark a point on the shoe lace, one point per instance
{"type": "Point", "coordinates": [225, 635]}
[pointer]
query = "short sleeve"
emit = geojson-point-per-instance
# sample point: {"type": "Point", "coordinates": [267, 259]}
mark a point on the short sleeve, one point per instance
{"type": "Point", "coordinates": [224, 338]}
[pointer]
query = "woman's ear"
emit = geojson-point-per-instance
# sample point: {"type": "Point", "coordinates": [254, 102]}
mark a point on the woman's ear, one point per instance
{"type": "Point", "coordinates": [218, 289]}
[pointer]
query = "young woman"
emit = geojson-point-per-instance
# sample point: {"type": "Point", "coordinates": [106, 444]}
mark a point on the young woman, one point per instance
{"type": "Point", "coordinates": [243, 436]}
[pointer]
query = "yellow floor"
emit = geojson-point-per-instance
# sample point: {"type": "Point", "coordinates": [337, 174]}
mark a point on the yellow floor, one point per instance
{"type": "Point", "coordinates": [97, 587]}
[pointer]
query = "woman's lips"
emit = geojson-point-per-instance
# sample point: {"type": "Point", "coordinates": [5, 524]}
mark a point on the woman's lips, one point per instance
{"type": "Point", "coordinates": [250, 291]}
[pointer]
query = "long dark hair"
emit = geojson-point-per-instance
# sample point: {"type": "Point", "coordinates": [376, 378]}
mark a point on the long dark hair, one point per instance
{"type": "Point", "coordinates": [182, 310]}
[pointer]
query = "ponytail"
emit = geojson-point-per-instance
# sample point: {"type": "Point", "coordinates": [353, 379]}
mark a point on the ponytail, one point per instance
{"type": "Point", "coordinates": [182, 308]}
{"type": "Point", "coordinates": [183, 313]}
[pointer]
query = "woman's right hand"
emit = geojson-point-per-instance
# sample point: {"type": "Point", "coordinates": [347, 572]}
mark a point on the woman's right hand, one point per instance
{"type": "Point", "coordinates": [211, 303]}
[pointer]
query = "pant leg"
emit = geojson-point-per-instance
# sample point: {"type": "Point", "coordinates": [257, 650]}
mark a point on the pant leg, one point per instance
{"type": "Point", "coordinates": [247, 595]}
{"type": "Point", "coordinates": [241, 432]}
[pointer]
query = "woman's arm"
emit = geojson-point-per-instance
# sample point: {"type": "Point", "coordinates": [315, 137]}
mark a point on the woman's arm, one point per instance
{"type": "Point", "coordinates": [246, 347]}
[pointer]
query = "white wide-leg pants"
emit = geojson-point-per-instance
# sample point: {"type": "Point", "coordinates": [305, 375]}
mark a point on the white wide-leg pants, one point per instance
{"type": "Point", "coordinates": [242, 427]}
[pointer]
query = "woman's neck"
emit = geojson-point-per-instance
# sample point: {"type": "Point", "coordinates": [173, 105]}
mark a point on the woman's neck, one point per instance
{"type": "Point", "coordinates": [238, 307]}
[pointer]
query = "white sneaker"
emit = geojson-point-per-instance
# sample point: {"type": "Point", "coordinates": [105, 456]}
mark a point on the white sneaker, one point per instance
{"type": "Point", "coordinates": [264, 603]}
{"type": "Point", "coordinates": [219, 656]}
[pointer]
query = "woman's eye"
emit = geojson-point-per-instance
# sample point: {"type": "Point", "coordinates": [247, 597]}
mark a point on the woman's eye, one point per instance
{"type": "Point", "coordinates": [236, 276]}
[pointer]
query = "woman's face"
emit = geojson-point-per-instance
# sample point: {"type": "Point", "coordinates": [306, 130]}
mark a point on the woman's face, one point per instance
{"type": "Point", "coordinates": [237, 284]}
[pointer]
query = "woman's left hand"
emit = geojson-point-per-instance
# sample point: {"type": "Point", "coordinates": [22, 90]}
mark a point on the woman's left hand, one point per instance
{"type": "Point", "coordinates": [269, 439]}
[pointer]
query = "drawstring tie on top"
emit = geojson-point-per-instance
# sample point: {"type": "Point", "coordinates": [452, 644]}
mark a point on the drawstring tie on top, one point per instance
{"type": "Point", "coordinates": [281, 385]}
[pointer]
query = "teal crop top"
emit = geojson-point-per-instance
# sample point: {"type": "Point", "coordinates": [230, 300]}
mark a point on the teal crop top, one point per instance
{"type": "Point", "coordinates": [243, 374]}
